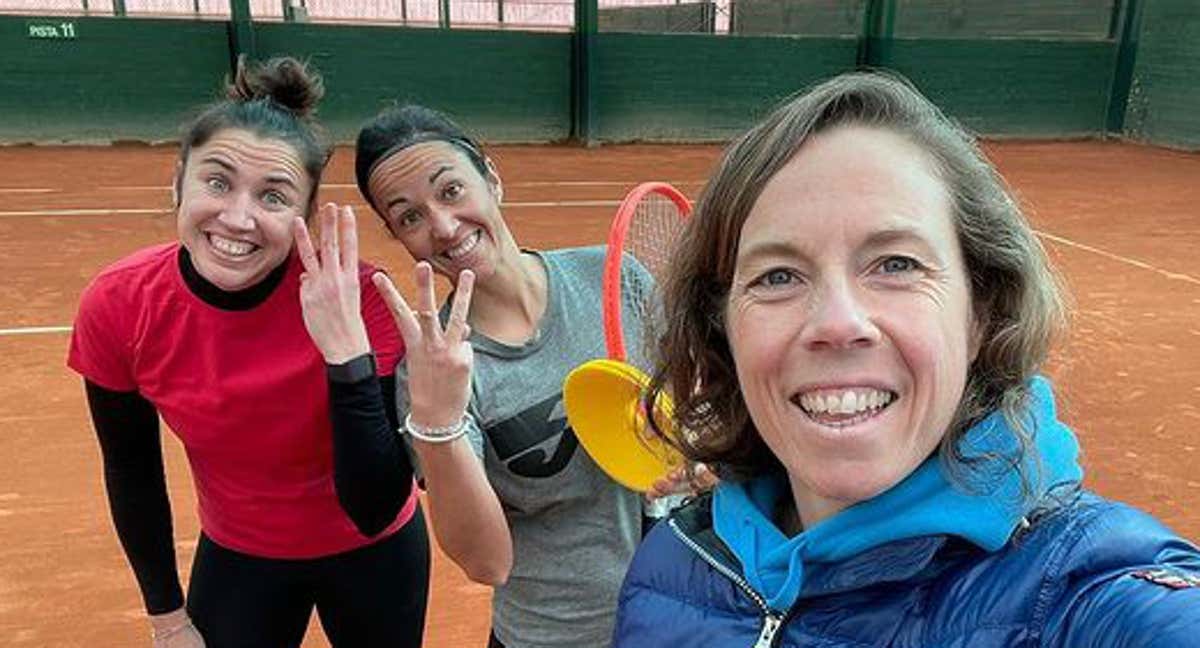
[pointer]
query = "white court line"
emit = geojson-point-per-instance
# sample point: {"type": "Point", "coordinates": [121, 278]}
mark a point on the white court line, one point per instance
{"type": "Point", "coordinates": [34, 330]}
{"type": "Point", "coordinates": [135, 187]}
{"type": "Point", "coordinates": [337, 185]}
{"type": "Point", "coordinates": [81, 212]}
{"type": "Point", "coordinates": [596, 183]}
{"type": "Point", "coordinates": [1178, 276]}
{"type": "Point", "coordinates": [20, 190]}
{"type": "Point", "coordinates": [563, 203]}
{"type": "Point", "coordinates": [134, 212]}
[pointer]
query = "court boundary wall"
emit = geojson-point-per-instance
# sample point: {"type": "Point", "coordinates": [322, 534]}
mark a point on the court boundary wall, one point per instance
{"type": "Point", "coordinates": [119, 78]}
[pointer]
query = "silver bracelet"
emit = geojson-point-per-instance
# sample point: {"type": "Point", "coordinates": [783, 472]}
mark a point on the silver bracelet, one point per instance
{"type": "Point", "coordinates": [442, 434]}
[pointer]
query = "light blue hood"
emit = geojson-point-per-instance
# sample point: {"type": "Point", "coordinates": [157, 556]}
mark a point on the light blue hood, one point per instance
{"type": "Point", "coordinates": [923, 504]}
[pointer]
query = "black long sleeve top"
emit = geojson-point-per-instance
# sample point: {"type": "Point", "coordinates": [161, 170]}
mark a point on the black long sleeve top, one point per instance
{"type": "Point", "coordinates": [372, 472]}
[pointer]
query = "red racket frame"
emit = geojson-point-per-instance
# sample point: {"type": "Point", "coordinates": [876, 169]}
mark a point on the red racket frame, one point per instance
{"type": "Point", "coordinates": [614, 338]}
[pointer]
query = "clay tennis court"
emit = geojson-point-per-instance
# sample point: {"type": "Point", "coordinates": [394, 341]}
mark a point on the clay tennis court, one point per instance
{"type": "Point", "coordinates": [1120, 220]}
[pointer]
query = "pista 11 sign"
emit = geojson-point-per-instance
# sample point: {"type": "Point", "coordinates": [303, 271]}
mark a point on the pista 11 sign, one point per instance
{"type": "Point", "coordinates": [53, 30]}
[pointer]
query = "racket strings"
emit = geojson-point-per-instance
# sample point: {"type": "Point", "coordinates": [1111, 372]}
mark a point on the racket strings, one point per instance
{"type": "Point", "coordinates": [649, 248]}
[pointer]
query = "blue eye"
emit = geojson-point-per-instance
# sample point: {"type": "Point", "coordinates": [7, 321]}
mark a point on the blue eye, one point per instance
{"type": "Point", "coordinates": [899, 265]}
{"type": "Point", "coordinates": [217, 183]}
{"type": "Point", "coordinates": [776, 278]}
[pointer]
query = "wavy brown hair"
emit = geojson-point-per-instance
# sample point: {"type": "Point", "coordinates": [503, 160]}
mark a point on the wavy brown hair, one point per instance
{"type": "Point", "coordinates": [1015, 294]}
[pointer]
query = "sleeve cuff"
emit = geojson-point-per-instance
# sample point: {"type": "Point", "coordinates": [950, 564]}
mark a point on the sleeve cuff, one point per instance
{"type": "Point", "coordinates": [353, 370]}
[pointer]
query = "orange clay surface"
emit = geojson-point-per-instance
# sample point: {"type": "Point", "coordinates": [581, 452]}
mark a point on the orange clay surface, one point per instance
{"type": "Point", "coordinates": [1121, 222]}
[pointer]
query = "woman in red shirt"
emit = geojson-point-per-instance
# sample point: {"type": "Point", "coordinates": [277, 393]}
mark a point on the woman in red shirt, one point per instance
{"type": "Point", "coordinates": [304, 497]}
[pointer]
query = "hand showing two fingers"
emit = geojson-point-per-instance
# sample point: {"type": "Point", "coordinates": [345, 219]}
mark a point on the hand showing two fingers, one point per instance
{"type": "Point", "coordinates": [438, 359]}
{"type": "Point", "coordinates": [329, 287]}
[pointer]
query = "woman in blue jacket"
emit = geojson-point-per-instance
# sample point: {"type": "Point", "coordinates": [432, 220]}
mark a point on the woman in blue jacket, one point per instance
{"type": "Point", "coordinates": [863, 312]}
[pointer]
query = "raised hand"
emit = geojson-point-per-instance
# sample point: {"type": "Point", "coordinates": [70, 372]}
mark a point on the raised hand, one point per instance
{"type": "Point", "coordinates": [438, 361]}
{"type": "Point", "coordinates": [686, 480]}
{"type": "Point", "coordinates": [329, 288]}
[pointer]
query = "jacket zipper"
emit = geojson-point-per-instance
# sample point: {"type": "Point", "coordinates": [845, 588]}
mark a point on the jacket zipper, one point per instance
{"type": "Point", "coordinates": [772, 620]}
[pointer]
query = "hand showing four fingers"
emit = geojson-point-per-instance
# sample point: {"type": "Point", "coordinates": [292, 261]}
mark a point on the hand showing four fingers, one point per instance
{"type": "Point", "coordinates": [438, 359]}
{"type": "Point", "coordinates": [329, 287]}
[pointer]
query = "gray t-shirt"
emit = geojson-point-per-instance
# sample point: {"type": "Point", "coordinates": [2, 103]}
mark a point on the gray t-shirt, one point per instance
{"type": "Point", "coordinates": [574, 530]}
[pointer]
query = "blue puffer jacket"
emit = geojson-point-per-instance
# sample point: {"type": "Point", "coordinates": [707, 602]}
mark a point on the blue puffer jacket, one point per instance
{"type": "Point", "coordinates": [925, 564]}
{"type": "Point", "coordinates": [1093, 573]}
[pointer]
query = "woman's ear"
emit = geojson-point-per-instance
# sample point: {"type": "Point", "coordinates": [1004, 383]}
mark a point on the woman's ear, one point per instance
{"type": "Point", "coordinates": [978, 324]}
{"type": "Point", "coordinates": [493, 179]}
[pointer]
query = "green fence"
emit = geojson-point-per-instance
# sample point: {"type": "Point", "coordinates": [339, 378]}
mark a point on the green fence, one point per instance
{"type": "Point", "coordinates": [609, 70]}
{"type": "Point", "coordinates": [506, 86]}
{"type": "Point", "coordinates": [1012, 87]}
{"type": "Point", "coordinates": [1164, 100]}
{"type": "Point", "coordinates": [105, 78]}
{"type": "Point", "coordinates": [667, 87]}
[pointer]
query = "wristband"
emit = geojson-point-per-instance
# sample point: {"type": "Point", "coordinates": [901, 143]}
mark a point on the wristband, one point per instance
{"type": "Point", "coordinates": [442, 434]}
{"type": "Point", "coordinates": [353, 370]}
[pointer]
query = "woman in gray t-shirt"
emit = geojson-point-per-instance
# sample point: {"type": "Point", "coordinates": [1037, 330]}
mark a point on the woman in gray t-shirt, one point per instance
{"type": "Point", "coordinates": [513, 498]}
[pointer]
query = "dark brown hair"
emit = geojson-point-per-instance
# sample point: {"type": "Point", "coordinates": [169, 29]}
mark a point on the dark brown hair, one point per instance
{"type": "Point", "coordinates": [1015, 295]}
{"type": "Point", "coordinates": [400, 127]}
{"type": "Point", "coordinates": [275, 99]}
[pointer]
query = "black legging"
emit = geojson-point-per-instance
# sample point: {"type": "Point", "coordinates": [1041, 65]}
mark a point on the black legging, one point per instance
{"type": "Point", "coordinates": [371, 596]}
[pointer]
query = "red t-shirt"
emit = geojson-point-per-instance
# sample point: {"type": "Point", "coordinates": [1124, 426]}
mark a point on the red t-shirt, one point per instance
{"type": "Point", "coordinates": [245, 391]}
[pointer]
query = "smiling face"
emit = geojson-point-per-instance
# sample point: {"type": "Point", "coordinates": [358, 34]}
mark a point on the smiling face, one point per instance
{"type": "Point", "coordinates": [238, 196]}
{"type": "Point", "coordinates": [442, 208]}
{"type": "Point", "coordinates": [849, 316]}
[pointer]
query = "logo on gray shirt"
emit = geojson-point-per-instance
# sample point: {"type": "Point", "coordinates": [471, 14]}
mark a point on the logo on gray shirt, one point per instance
{"type": "Point", "coordinates": [537, 442]}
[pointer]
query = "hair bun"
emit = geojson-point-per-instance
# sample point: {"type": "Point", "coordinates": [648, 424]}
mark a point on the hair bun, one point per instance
{"type": "Point", "coordinates": [286, 81]}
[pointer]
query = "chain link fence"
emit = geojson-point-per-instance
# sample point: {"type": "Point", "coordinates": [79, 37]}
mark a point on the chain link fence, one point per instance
{"type": "Point", "coordinates": [1082, 19]}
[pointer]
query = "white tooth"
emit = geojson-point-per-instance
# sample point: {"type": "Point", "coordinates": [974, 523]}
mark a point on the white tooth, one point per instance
{"type": "Point", "coordinates": [464, 247]}
{"type": "Point", "coordinates": [873, 399]}
{"type": "Point", "coordinates": [819, 404]}
{"type": "Point", "coordinates": [849, 402]}
{"type": "Point", "coordinates": [230, 246]}
{"type": "Point", "coordinates": [830, 403]}
{"type": "Point", "coordinates": [806, 402]}
{"type": "Point", "coordinates": [813, 404]}
{"type": "Point", "coordinates": [860, 402]}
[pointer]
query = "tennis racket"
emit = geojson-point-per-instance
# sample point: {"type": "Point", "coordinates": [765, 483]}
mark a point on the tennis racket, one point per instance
{"type": "Point", "coordinates": [603, 398]}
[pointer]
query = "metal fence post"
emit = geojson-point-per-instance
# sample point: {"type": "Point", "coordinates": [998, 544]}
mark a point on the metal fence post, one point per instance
{"type": "Point", "coordinates": [444, 14]}
{"type": "Point", "coordinates": [118, 7]}
{"type": "Point", "coordinates": [241, 31]}
{"type": "Point", "coordinates": [1127, 43]}
{"type": "Point", "coordinates": [874, 42]}
{"type": "Point", "coordinates": [587, 18]}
